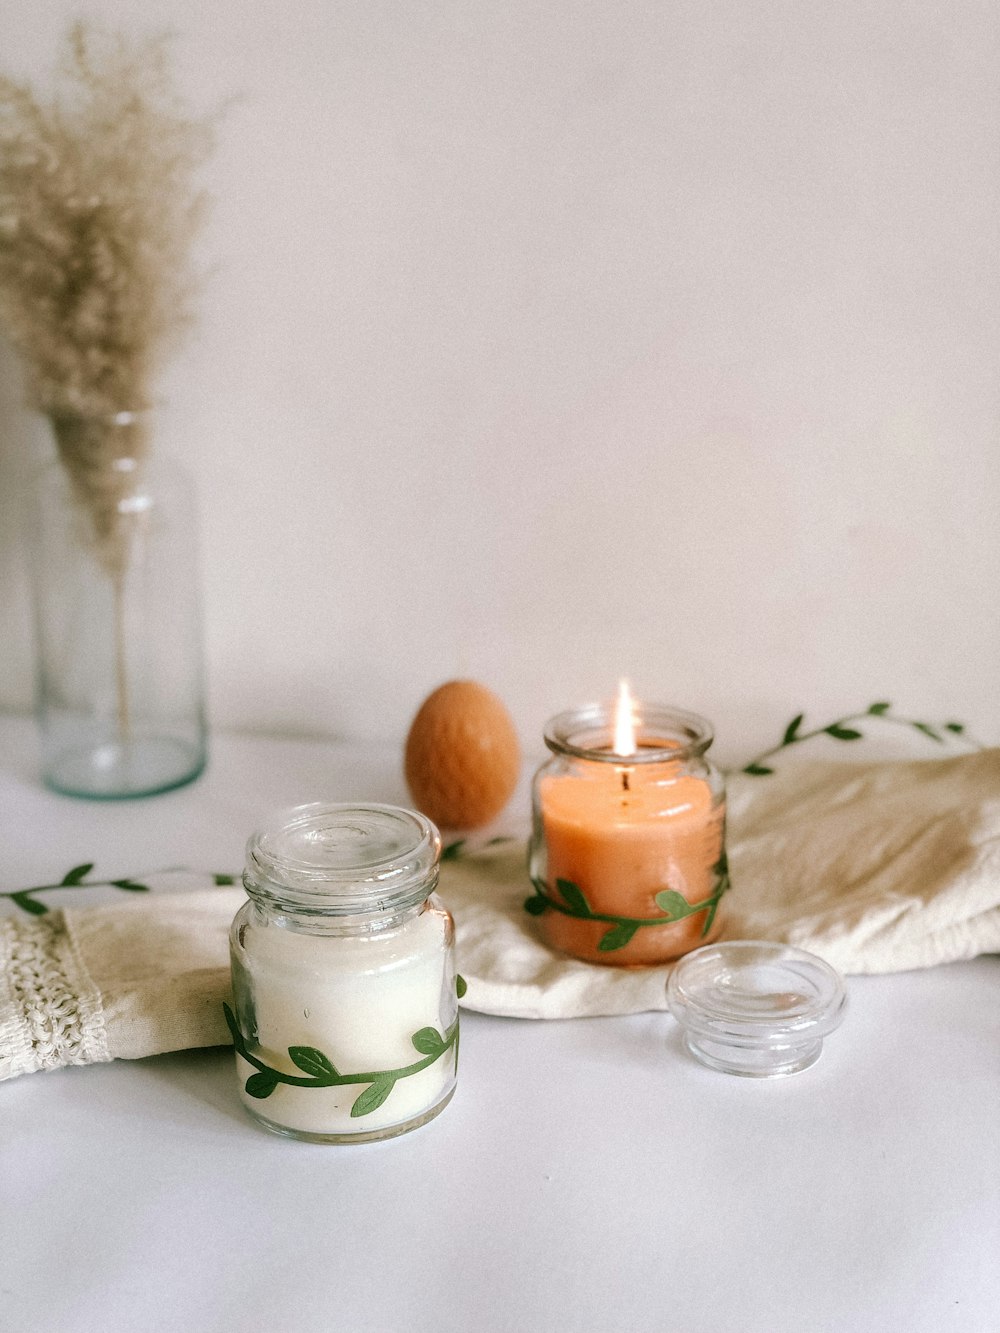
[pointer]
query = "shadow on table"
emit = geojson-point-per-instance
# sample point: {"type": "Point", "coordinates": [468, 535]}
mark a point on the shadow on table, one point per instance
{"type": "Point", "coordinates": [205, 1076]}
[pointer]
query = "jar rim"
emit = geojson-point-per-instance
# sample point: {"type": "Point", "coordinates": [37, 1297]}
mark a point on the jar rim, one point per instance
{"type": "Point", "coordinates": [662, 733]}
{"type": "Point", "coordinates": [343, 858]}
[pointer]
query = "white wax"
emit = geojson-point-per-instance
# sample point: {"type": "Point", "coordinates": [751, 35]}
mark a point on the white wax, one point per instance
{"type": "Point", "coordinates": [359, 999]}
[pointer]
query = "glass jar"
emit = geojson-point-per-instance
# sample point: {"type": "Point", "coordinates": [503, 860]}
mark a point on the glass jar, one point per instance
{"type": "Point", "coordinates": [344, 983]}
{"type": "Point", "coordinates": [119, 680]}
{"type": "Point", "coordinates": [627, 850]}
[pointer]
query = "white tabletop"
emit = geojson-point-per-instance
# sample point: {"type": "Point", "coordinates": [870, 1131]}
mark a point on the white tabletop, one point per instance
{"type": "Point", "coordinates": [588, 1175]}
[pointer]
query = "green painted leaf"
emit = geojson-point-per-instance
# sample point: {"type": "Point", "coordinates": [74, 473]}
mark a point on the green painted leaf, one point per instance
{"type": "Point", "coordinates": [130, 885]}
{"type": "Point", "coordinates": [928, 731]}
{"type": "Point", "coordinates": [572, 896]}
{"type": "Point", "coordinates": [261, 1084]}
{"type": "Point", "coordinates": [879, 710]}
{"type": "Point", "coordinates": [461, 985]}
{"type": "Point", "coordinates": [840, 733]}
{"type": "Point", "coordinates": [536, 905]}
{"type": "Point", "coordinates": [618, 936]}
{"type": "Point", "coordinates": [453, 851]}
{"type": "Point", "coordinates": [222, 880]}
{"type": "Point", "coordinates": [373, 1097]}
{"type": "Point", "coordinates": [28, 903]}
{"type": "Point", "coordinates": [428, 1041]}
{"type": "Point", "coordinates": [77, 873]}
{"type": "Point", "coordinates": [956, 727]}
{"type": "Point", "coordinates": [758, 770]}
{"type": "Point", "coordinates": [673, 903]}
{"type": "Point", "coordinates": [311, 1061]}
{"type": "Point", "coordinates": [791, 731]}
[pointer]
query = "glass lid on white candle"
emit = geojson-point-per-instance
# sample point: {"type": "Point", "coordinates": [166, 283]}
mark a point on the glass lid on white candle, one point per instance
{"type": "Point", "coordinates": [344, 858]}
{"type": "Point", "coordinates": [755, 1008]}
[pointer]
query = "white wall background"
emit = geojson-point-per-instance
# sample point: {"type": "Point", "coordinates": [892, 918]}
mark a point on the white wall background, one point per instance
{"type": "Point", "coordinates": [553, 341]}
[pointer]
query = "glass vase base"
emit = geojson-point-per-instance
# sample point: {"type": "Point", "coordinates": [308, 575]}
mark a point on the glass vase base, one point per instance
{"type": "Point", "coordinates": [362, 1136]}
{"type": "Point", "coordinates": [117, 771]}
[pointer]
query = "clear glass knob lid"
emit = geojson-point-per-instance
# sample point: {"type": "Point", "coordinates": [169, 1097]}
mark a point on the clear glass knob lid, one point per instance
{"type": "Point", "coordinates": [344, 858]}
{"type": "Point", "coordinates": [754, 1008]}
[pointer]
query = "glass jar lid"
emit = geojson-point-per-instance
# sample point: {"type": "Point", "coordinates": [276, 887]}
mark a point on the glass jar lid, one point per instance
{"type": "Point", "coordinates": [344, 859]}
{"type": "Point", "coordinates": [755, 1008]}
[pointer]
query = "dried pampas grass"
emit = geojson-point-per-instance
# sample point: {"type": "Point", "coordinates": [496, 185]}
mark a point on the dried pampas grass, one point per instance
{"type": "Point", "coordinates": [98, 208]}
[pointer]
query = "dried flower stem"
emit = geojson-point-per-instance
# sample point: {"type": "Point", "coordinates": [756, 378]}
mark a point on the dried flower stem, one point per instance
{"type": "Point", "coordinates": [98, 208]}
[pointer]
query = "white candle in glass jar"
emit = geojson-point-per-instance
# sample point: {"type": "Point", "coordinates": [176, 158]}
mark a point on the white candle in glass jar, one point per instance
{"type": "Point", "coordinates": [346, 1018]}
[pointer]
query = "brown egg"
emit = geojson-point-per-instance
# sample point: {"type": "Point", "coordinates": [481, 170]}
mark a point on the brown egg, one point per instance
{"type": "Point", "coordinates": [462, 758]}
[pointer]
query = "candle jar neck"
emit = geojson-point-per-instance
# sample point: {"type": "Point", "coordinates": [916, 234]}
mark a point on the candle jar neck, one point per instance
{"type": "Point", "coordinates": [301, 920]}
{"type": "Point", "coordinates": [662, 734]}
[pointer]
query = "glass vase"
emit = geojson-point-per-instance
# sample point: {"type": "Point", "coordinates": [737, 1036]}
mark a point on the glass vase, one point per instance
{"type": "Point", "coordinates": [119, 690]}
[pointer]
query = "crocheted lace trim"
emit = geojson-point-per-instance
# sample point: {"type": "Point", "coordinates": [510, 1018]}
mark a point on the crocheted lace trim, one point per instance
{"type": "Point", "coordinates": [50, 1010]}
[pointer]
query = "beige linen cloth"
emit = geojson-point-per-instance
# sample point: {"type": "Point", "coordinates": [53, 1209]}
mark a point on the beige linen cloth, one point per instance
{"type": "Point", "coordinates": [876, 867]}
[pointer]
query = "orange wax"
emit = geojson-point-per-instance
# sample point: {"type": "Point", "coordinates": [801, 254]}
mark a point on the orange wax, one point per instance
{"type": "Point", "coordinates": [623, 835]}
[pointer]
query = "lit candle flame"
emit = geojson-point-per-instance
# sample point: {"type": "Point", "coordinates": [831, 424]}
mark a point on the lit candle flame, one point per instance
{"type": "Point", "coordinates": [624, 743]}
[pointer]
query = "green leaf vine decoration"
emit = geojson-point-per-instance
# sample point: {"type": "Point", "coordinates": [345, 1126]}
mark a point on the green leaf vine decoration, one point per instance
{"type": "Point", "coordinates": [77, 879]}
{"type": "Point", "coordinates": [320, 1072]}
{"type": "Point", "coordinates": [572, 901]}
{"type": "Point", "coordinates": [845, 729]}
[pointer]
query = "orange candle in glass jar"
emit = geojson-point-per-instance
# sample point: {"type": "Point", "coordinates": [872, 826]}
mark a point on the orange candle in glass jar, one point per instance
{"type": "Point", "coordinates": [627, 852]}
